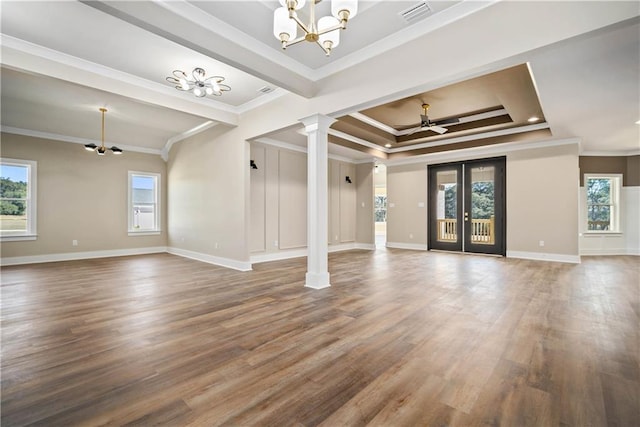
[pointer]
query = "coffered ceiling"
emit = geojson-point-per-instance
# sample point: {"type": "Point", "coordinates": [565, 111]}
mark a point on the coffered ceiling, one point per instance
{"type": "Point", "coordinates": [61, 61]}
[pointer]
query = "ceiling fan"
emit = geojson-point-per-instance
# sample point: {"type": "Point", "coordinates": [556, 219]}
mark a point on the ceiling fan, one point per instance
{"type": "Point", "coordinates": [426, 124]}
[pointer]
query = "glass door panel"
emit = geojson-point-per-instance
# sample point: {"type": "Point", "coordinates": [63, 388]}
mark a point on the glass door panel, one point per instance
{"type": "Point", "coordinates": [445, 206]}
{"type": "Point", "coordinates": [484, 210]}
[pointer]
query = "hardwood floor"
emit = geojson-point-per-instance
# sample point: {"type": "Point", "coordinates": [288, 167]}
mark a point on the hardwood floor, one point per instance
{"type": "Point", "coordinates": [402, 338]}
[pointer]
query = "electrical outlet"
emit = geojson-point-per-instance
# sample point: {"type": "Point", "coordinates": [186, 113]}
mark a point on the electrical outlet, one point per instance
{"type": "Point", "coordinates": [216, 245]}
{"type": "Point", "coordinates": [74, 243]}
{"type": "Point", "coordinates": [275, 243]}
{"type": "Point", "coordinates": [541, 243]}
{"type": "Point", "coordinates": [411, 236]}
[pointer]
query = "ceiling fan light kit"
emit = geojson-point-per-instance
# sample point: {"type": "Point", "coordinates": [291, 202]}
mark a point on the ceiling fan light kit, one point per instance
{"type": "Point", "coordinates": [198, 83]}
{"type": "Point", "coordinates": [325, 33]}
{"type": "Point", "coordinates": [102, 149]}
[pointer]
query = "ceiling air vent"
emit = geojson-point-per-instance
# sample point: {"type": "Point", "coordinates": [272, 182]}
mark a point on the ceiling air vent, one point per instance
{"type": "Point", "coordinates": [416, 12]}
{"type": "Point", "coordinates": [266, 89]}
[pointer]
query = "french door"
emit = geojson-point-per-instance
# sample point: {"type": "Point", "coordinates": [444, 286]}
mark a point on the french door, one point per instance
{"type": "Point", "coordinates": [467, 206]}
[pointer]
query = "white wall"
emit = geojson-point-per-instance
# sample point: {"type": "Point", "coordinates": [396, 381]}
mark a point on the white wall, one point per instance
{"type": "Point", "coordinates": [627, 242]}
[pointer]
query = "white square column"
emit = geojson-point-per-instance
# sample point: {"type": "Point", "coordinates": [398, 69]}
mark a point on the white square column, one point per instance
{"type": "Point", "coordinates": [317, 127]}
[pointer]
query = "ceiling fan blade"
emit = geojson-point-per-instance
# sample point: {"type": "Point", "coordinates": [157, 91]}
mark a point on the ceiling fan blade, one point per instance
{"type": "Point", "coordinates": [414, 130]}
{"type": "Point", "coordinates": [437, 129]}
{"type": "Point", "coordinates": [444, 122]}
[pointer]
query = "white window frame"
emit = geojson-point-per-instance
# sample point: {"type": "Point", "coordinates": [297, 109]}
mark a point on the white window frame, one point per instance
{"type": "Point", "coordinates": [615, 226]}
{"type": "Point", "coordinates": [157, 220]}
{"type": "Point", "coordinates": [32, 177]}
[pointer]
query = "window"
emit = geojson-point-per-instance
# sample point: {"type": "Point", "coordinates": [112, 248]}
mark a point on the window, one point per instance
{"type": "Point", "coordinates": [17, 199]}
{"type": "Point", "coordinates": [380, 205]}
{"type": "Point", "coordinates": [603, 202]}
{"type": "Point", "coordinates": [144, 203]}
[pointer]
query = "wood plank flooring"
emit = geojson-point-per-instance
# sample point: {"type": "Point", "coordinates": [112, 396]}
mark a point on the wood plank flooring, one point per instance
{"type": "Point", "coordinates": [402, 338]}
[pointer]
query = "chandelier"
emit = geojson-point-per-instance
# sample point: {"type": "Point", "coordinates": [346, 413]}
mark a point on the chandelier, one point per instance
{"type": "Point", "coordinates": [102, 149]}
{"type": "Point", "coordinates": [197, 83]}
{"type": "Point", "coordinates": [326, 33]}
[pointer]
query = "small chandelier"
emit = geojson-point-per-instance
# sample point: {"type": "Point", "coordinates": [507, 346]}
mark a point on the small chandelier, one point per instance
{"type": "Point", "coordinates": [326, 33]}
{"type": "Point", "coordinates": [102, 149]}
{"type": "Point", "coordinates": [197, 83]}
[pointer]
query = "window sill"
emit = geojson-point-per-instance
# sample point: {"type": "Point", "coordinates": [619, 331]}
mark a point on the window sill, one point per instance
{"type": "Point", "coordinates": [601, 233]}
{"type": "Point", "coordinates": [145, 233]}
{"type": "Point", "coordinates": [18, 237]}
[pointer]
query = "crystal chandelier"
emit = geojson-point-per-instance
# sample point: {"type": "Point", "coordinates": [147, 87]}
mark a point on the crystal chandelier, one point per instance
{"type": "Point", "coordinates": [326, 33]}
{"type": "Point", "coordinates": [102, 149]}
{"type": "Point", "coordinates": [197, 83]}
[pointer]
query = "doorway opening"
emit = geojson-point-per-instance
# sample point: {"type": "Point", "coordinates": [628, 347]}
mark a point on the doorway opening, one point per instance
{"type": "Point", "coordinates": [380, 204]}
{"type": "Point", "coordinates": [467, 206]}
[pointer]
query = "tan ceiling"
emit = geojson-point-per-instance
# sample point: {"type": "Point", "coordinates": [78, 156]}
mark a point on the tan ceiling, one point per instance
{"type": "Point", "coordinates": [501, 101]}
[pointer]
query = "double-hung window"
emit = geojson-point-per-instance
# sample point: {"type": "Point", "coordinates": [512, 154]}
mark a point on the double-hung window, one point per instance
{"type": "Point", "coordinates": [17, 199]}
{"type": "Point", "coordinates": [603, 202]}
{"type": "Point", "coordinates": [144, 203]}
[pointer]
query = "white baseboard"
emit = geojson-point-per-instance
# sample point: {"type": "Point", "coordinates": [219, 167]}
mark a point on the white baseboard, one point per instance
{"type": "Point", "coordinates": [70, 256]}
{"type": "Point", "coordinates": [609, 251]}
{"type": "Point", "coordinates": [278, 256]}
{"type": "Point", "coordinates": [297, 253]}
{"type": "Point", "coordinates": [410, 246]}
{"type": "Point", "coordinates": [541, 256]}
{"type": "Point", "coordinates": [211, 259]}
{"type": "Point", "coordinates": [351, 246]}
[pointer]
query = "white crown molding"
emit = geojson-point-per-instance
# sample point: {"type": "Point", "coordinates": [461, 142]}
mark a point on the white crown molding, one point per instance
{"type": "Point", "coordinates": [279, 144]}
{"type": "Point", "coordinates": [485, 135]}
{"type": "Point", "coordinates": [184, 135]}
{"type": "Point", "coordinates": [373, 122]}
{"type": "Point", "coordinates": [75, 140]}
{"type": "Point", "coordinates": [477, 152]}
{"type": "Point", "coordinates": [428, 25]}
{"type": "Point", "coordinates": [199, 17]}
{"type": "Point", "coordinates": [359, 141]}
{"type": "Point", "coordinates": [206, 107]}
{"type": "Point", "coordinates": [625, 153]}
{"type": "Point", "coordinates": [299, 149]}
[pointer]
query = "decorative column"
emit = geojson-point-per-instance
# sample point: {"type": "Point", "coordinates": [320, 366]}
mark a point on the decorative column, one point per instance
{"type": "Point", "coordinates": [317, 127]}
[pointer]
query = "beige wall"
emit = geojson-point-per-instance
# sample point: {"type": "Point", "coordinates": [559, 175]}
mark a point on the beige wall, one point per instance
{"type": "Point", "coordinates": [407, 205]}
{"type": "Point", "coordinates": [628, 166]}
{"type": "Point", "coordinates": [207, 174]}
{"type": "Point", "coordinates": [82, 196]}
{"type": "Point", "coordinates": [542, 202]}
{"type": "Point", "coordinates": [279, 201]}
{"type": "Point", "coordinates": [365, 225]}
